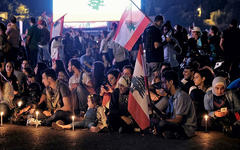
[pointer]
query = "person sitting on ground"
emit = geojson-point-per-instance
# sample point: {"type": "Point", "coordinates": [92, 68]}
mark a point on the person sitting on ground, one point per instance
{"type": "Point", "coordinates": [107, 88]}
{"type": "Point", "coordinates": [24, 64]}
{"type": "Point", "coordinates": [128, 71]}
{"type": "Point", "coordinates": [119, 118]}
{"type": "Point", "coordinates": [221, 105]}
{"type": "Point", "coordinates": [202, 80]}
{"type": "Point", "coordinates": [80, 85]}
{"type": "Point", "coordinates": [57, 97]}
{"type": "Point", "coordinates": [182, 120]}
{"type": "Point", "coordinates": [90, 118]}
{"type": "Point", "coordinates": [187, 80]}
{"type": "Point", "coordinates": [79, 76]}
{"type": "Point", "coordinates": [8, 73]}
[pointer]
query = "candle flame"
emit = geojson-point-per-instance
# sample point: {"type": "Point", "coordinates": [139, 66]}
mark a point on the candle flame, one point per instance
{"type": "Point", "coordinates": [37, 112]}
{"type": "Point", "coordinates": [73, 117]}
{"type": "Point", "coordinates": [2, 113]}
{"type": "Point", "coordinates": [19, 103]}
{"type": "Point", "coordinates": [206, 117]}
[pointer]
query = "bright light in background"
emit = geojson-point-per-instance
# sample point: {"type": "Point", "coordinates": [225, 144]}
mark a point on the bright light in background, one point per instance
{"type": "Point", "coordinates": [85, 24]}
{"type": "Point", "coordinates": [199, 11]}
{"type": "Point", "coordinates": [85, 11]}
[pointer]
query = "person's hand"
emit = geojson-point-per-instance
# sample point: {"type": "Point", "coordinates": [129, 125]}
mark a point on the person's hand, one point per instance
{"type": "Point", "coordinates": [110, 90]}
{"type": "Point", "coordinates": [127, 120]}
{"type": "Point", "coordinates": [218, 113]}
{"type": "Point", "coordinates": [47, 113]}
{"type": "Point", "coordinates": [31, 111]}
{"type": "Point", "coordinates": [103, 90]}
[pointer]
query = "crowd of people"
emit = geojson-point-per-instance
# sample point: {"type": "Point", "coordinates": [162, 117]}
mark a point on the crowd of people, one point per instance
{"type": "Point", "coordinates": [191, 73]}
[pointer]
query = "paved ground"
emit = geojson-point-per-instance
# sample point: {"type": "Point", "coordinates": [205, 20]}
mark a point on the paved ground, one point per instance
{"type": "Point", "coordinates": [44, 138]}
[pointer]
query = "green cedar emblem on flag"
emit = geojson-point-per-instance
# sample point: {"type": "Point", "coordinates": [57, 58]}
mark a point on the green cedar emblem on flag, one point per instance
{"type": "Point", "coordinates": [95, 4]}
{"type": "Point", "coordinates": [131, 25]}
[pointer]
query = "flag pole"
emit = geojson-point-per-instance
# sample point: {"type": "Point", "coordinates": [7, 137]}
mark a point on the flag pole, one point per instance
{"type": "Point", "coordinates": [145, 75]}
{"type": "Point", "coordinates": [141, 10]}
{"type": "Point", "coordinates": [144, 66]}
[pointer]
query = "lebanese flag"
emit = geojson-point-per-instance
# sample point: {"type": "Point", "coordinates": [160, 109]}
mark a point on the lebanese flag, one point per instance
{"type": "Point", "coordinates": [132, 24]}
{"type": "Point", "coordinates": [57, 27]}
{"type": "Point", "coordinates": [137, 100]}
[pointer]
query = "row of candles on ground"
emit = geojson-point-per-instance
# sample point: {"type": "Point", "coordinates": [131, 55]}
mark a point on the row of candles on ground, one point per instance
{"type": "Point", "coordinates": [37, 113]}
{"type": "Point", "coordinates": [73, 118]}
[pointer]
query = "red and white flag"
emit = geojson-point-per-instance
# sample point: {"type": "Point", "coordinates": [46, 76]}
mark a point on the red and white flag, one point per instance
{"type": "Point", "coordinates": [57, 27]}
{"type": "Point", "coordinates": [132, 24]}
{"type": "Point", "coordinates": [137, 100]}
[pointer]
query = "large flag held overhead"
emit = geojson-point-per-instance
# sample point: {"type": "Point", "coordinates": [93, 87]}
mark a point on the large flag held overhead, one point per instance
{"type": "Point", "coordinates": [57, 27]}
{"type": "Point", "coordinates": [132, 24]}
{"type": "Point", "coordinates": [137, 100]}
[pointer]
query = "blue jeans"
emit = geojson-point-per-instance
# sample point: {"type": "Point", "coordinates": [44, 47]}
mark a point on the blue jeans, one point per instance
{"type": "Point", "coordinates": [84, 124]}
{"type": "Point", "coordinates": [65, 116]}
{"type": "Point", "coordinates": [43, 54]}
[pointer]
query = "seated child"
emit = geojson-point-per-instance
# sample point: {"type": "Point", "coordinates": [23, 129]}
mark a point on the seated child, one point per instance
{"type": "Point", "coordinates": [90, 117]}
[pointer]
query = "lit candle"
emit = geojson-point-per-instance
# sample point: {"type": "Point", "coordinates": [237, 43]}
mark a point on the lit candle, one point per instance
{"type": "Point", "coordinates": [37, 118]}
{"type": "Point", "coordinates": [19, 103]}
{"type": "Point", "coordinates": [73, 117]}
{"type": "Point", "coordinates": [1, 118]}
{"type": "Point", "coordinates": [206, 120]}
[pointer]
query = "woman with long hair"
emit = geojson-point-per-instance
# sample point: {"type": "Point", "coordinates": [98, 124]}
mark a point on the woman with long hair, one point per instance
{"type": "Point", "coordinates": [8, 74]}
{"type": "Point", "coordinates": [202, 80]}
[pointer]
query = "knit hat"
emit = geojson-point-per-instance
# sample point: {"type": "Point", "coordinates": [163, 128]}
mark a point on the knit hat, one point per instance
{"type": "Point", "coordinates": [218, 81]}
{"type": "Point", "coordinates": [125, 81]}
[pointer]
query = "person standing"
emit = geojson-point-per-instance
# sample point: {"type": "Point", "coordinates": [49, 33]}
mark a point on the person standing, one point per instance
{"type": "Point", "coordinates": [229, 43]}
{"type": "Point", "coordinates": [43, 55]}
{"type": "Point", "coordinates": [33, 37]}
{"type": "Point", "coordinates": [13, 37]}
{"type": "Point", "coordinates": [153, 44]}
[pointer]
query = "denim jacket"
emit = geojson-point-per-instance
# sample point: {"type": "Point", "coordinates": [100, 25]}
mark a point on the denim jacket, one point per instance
{"type": "Point", "coordinates": [231, 96]}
